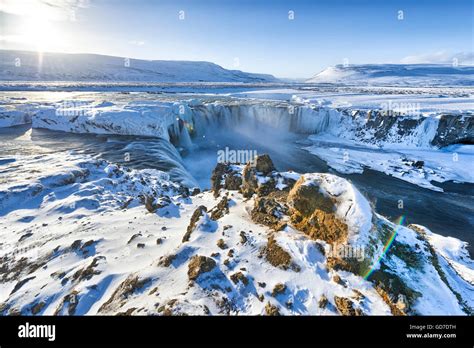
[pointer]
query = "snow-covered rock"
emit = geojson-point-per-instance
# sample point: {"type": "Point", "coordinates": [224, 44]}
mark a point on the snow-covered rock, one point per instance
{"type": "Point", "coordinates": [16, 114]}
{"type": "Point", "coordinates": [92, 237]}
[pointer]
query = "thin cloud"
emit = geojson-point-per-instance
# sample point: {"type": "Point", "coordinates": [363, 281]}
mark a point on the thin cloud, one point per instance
{"type": "Point", "coordinates": [59, 10]}
{"type": "Point", "coordinates": [137, 42]}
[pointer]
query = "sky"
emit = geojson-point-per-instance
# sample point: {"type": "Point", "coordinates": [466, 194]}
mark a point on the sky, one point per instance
{"type": "Point", "coordinates": [294, 39]}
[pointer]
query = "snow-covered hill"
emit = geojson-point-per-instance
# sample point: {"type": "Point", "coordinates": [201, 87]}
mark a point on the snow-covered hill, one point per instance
{"type": "Point", "coordinates": [96, 238]}
{"type": "Point", "coordinates": [29, 66]}
{"type": "Point", "coordinates": [397, 75]}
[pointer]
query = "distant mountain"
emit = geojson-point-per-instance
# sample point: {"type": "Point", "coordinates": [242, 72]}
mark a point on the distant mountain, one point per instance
{"type": "Point", "coordinates": [29, 66]}
{"type": "Point", "coordinates": [397, 75]}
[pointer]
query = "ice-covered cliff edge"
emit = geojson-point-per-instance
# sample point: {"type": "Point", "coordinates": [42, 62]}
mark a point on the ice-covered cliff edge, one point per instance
{"type": "Point", "coordinates": [420, 149]}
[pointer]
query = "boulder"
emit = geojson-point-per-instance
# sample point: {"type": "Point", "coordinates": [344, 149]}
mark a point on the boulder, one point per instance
{"type": "Point", "coordinates": [199, 265]}
{"type": "Point", "coordinates": [264, 164]}
{"type": "Point", "coordinates": [306, 198]}
{"type": "Point", "coordinates": [271, 310]}
{"type": "Point", "coordinates": [249, 181]}
{"type": "Point", "coordinates": [346, 306]}
{"type": "Point", "coordinates": [276, 255]}
{"type": "Point", "coordinates": [313, 213]}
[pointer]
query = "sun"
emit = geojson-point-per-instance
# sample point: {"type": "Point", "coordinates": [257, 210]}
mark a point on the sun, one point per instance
{"type": "Point", "coordinates": [42, 33]}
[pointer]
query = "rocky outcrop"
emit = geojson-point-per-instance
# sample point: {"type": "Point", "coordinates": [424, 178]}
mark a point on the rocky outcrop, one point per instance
{"type": "Point", "coordinates": [269, 212]}
{"type": "Point", "coordinates": [346, 307]}
{"type": "Point", "coordinates": [264, 164]}
{"type": "Point", "coordinates": [454, 129]}
{"type": "Point", "coordinates": [200, 211]}
{"type": "Point", "coordinates": [271, 310]}
{"type": "Point", "coordinates": [220, 209]}
{"type": "Point", "coordinates": [252, 254]}
{"type": "Point", "coordinates": [199, 265]}
{"type": "Point", "coordinates": [127, 288]}
{"type": "Point", "coordinates": [276, 255]}
{"type": "Point", "coordinates": [225, 176]}
{"type": "Point", "coordinates": [313, 213]}
{"type": "Point", "coordinates": [249, 181]}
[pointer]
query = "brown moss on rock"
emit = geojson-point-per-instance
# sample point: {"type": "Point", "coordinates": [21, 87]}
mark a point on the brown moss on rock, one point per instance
{"type": "Point", "coordinates": [323, 301]}
{"type": "Point", "coordinates": [71, 301]}
{"type": "Point", "coordinates": [220, 209]}
{"type": "Point", "coordinates": [222, 244]}
{"type": "Point", "coordinates": [279, 288]}
{"type": "Point", "coordinates": [89, 271]}
{"type": "Point", "coordinates": [305, 199]}
{"type": "Point", "coordinates": [199, 265]}
{"type": "Point", "coordinates": [37, 308]}
{"type": "Point", "coordinates": [321, 225]}
{"type": "Point", "coordinates": [346, 264]}
{"type": "Point", "coordinates": [128, 287]}
{"type": "Point", "coordinates": [271, 310]}
{"type": "Point", "coordinates": [276, 255]}
{"type": "Point", "coordinates": [267, 211]}
{"type": "Point", "coordinates": [224, 177]}
{"type": "Point", "coordinates": [313, 213]}
{"type": "Point", "coordinates": [346, 307]}
{"type": "Point", "coordinates": [264, 189]}
{"type": "Point", "coordinates": [166, 260]}
{"type": "Point", "coordinates": [200, 211]}
{"type": "Point", "coordinates": [249, 181]}
{"type": "Point", "coordinates": [338, 280]}
{"type": "Point", "coordinates": [232, 181]}
{"type": "Point", "coordinates": [216, 178]}
{"type": "Point", "coordinates": [264, 164]}
{"type": "Point", "coordinates": [239, 277]}
{"type": "Point", "coordinates": [149, 202]}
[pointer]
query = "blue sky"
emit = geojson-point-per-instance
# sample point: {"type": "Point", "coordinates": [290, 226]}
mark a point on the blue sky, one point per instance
{"type": "Point", "coordinates": [255, 36]}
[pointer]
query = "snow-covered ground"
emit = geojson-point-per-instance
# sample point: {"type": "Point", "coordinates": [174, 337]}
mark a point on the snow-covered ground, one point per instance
{"type": "Point", "coordinates": [34, 66]}
{"type": "Point", "coordinates": [397, 75]}
{"type": "Point", "coordinates": [417, 166]}
{"type": "Point", "coordinates": [347, 130]}
{"type": "Point", "coordinates": [83, 236]}
{"type": "Point", "coordinates": [79, 236]}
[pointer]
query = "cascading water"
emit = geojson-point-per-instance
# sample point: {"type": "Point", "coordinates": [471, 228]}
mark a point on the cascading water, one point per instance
{"type": "Point", "coordinates": [373, 127]}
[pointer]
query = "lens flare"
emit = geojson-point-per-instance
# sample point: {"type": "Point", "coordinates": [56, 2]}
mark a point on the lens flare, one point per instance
{"type": "Point", "coordinates": [389, 243]}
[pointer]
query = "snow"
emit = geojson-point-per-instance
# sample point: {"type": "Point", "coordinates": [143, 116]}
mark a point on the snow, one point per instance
{"type": "Point", "coordinates": [455, 262]}
{"type": "Point", "coordinates": [428, 281]}
{"type": "Point", "coordinates": [396, 74]}
{"type": "Point", "coordinates": [88, 206]}
{"type": "Point", "coordinates": [344, 138]}
{"type": "Point", "coordinates": [351, 206]}
{"type": "Point", "coordinates": [69, 199]}
{"type": "Point", "coordinates": [35, 66]}
{"type": "Point", "coordinates": [453, 163]}
{"type": "Point", "coordinates": [16, 114]}
{"type": "Point", "coordinates": [75, 226]}
{"type": "Point", "coordinates": [149, 120]}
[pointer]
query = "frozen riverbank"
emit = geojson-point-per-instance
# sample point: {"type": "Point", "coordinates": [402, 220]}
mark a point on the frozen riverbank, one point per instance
{"type": "Point", "coordinates": [422, 149]}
